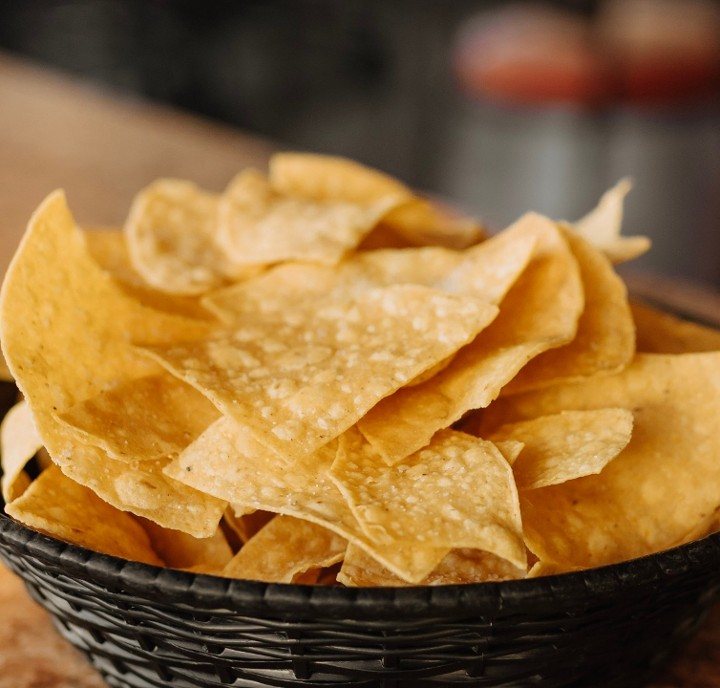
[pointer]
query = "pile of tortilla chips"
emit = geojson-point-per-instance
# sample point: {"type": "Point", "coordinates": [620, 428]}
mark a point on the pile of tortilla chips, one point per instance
{"type": "Point", "coordinates": [318, 376]}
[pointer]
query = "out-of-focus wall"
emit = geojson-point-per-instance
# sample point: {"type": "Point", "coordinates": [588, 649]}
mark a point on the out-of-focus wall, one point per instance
{"type": "Point", "coordinates": [486, 103]}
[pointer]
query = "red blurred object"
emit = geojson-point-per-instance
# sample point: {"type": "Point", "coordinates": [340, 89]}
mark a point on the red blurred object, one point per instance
{"type": "Point", "coordinates": [662, 51]}
{"type": "Point", "coordinates": [640, 51]}
{"type": "Point", "coordinates": [530, 54]}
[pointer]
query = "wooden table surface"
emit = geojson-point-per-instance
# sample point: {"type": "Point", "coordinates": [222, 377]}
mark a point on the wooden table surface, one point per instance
{"type": "Point", "coordinates": [56, 132]}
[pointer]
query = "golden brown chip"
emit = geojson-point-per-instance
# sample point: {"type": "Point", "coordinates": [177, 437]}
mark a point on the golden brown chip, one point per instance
{"type": "Point", "coordinates": [142, 419]}
{"type": "Point", "coordinates": [19, 442]}
{"type": "Point", "coordinates": [285, 548]}
{"type": "Point", "coordinates": [422, 222]}
{"type": "Point", "coordinates": [331, 178]}
{"type": "Point", "coordinates": [171, 237]}
{"type": "Point", "coordinates": [650, 496]}
{"type": "Point", "coordinates": [260, 226]}
{"type": "Point", "coordinates": [425, 500]}
{"type": "Point", "coordinates": [41, 335]}
{"type": "Point", "coordinates": [487, 271]}
{"type": "Point", "coordinates": [602, 226]}
{"type": "Point", "coordinates": [491, 268]}
{"type": "Point", "coordinates": [297, 388]}
{"type": "Point", "coordinates": [565, 445]}
{"type": "Point", "coordinates": [182, 551]}
{"type": "Point", "coordinates": [144, 490]}
{"type": "Point", "coordinates": [224, 461]}
{"type": "Point", "coordinates": [540, 311]}
{"type": "Point", "coordinates": [108, 249]}
{"type": "Point", "coordinates": [60, 507]}
{"type": "Point", "coordinates": [605, 337]}
{"type": "Point", "coordinates": [414, 221]}
{"type": "Point", "coordinates": [459, 566]}
{"type": "Point", "coordinates": [663, 333]}
{"type": "Point", "coordinates": [294, 286]}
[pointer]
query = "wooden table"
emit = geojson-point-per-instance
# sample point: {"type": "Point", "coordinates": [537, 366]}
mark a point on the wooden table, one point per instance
{"type": "Point", "coordinates": [55, 132]}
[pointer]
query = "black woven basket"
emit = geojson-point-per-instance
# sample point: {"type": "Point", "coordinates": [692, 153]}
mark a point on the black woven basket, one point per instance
{"type": "Point", "coordinates": [143, 626]}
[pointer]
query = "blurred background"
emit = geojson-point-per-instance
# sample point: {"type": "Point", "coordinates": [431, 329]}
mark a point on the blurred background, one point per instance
{"type": "Point", "coordinates": [501, 107]}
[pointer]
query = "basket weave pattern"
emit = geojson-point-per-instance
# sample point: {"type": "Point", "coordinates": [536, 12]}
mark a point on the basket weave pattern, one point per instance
{"type": "Point", "coordinates": [143, 626]}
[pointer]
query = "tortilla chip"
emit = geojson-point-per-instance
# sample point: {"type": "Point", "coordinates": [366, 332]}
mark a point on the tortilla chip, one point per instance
{"type": "Point", "coordinates": [602, 226]}
{"type": "Point", "coordinates": [487, 271]}
{"type": "Point", "coordinates": [426, 500]}
{"type": "Point", "coordinates": [325, 178]}
{"type": "Point", "coordinates": [108, 249]}
{"type": "Point", "coordinates": [540, 311]}
{"type": "Point", "coordinates": [414, 221]}
{"type": "Point", "coordinates": [144, 490]}
{"type": "Point", "coordinates": [650, 496]}
{"type": "Point", "coordinates": [182, 551]}
{"type": "Point", "coordinates": [260, 226]}
{"type": "Point", "coordinates": [171, 238]}
{"type": "Point", "coordinates": [565, 445]}
{"type": "Point", "coordinates": [285, 548]}
{"type": "Point", "coordinates": [142, 419]}
{"type": "Point", "coordinates": [224, 461]}
{"type": "Point", "coordinates": [663, 333]}
{"type": "Point", "coordinates": [57, 506]}
{"type": "Point", "coordinates": [296, 388]}
{"type": "Point", "coordinates": [52, 269]}
{"type": "Point", "coordinates": [295, 286]}
{"type": "Point", "coordinates": [19, 442]}
{"type": "Point", "coordinates": [605, 338]}
{"type": "Point", "coordinates": [459, 566]}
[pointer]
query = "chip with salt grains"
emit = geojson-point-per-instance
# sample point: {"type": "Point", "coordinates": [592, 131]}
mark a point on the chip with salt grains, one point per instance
{"type": "Point", "coordinates": [43, 340]}
{"type": "Point", "coordinates": [143, 489]}
{"type": "Point", "coordinates": [225, 461]}
{"type": "Point", "coordinates": [257, 225]}
{"type": "Point", "coordinates": [296, 285]}
{"type": "Point", "coordinates": [171, 238]}
{"type": "Point", "coordinates": [487, 271]}
{"type": "Point", "coordinates": [453, 511]}
{"type": "Point", "coordinates": [539, 312]}
{"type": "Point", "coordinates": [660, 486]}
{"type": "Point", "coordinates": [246, 384]}
{"type": "Point", "coordinates": [141, 419]}
{"type": "Point", "coordinates": [296, 388]}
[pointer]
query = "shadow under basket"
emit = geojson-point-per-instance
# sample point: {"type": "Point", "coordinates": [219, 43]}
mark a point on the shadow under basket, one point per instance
{"type": "Point", "coordinates": [143, 626]}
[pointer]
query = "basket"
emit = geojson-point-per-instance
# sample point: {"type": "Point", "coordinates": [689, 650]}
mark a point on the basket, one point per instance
{"type": "Point", "coordinates": [143, 626]}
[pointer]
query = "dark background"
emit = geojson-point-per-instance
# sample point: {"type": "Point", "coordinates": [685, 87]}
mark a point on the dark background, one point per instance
{"type": "Point", "coordinates": [367, 78]}
{"type": "Point", "coordinates": [374, 80]}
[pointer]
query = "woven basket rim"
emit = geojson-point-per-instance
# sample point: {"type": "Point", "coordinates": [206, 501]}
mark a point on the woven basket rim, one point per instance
{"type": "Point", "coordinates": [206, 591]}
